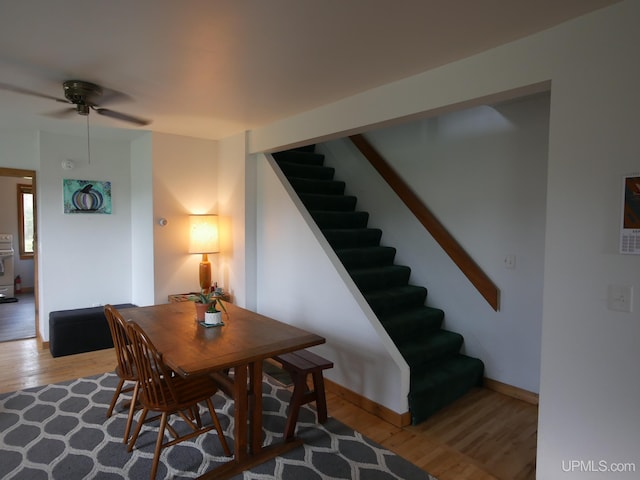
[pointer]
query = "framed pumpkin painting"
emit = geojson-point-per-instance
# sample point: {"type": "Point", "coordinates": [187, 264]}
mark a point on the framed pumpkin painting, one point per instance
{"type": "Point", "coordinates": [86, 196]}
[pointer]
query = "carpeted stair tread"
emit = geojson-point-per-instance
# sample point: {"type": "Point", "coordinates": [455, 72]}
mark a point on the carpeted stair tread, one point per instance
{"type": "Point", "coordinates": [299, 156]}
{"type": "Point", "coordinates": [328, 219]}
{"type": "Point", "coordinates": [375, 256]}
{"type": "Point", "coordinates": [409, 323]}
{"type": "Point", "coordinates": [308, 185]}
{"type": "Point", "coordinates": [352, 237]}
{"type": "Point", "coordinates": [305, 148]}
{"type": "Point", "coordinates": [420, 351]}
{"type": "Point", "coordinates": [441, 384]}
{"type": "Point", "coordinates": [394, 300]}
{"type": "Point", "coordinates": [300, 170]}
{"type": "Point", "coordinates": [318, 201]}
{"type": "Point", "coordinates": [385, 277]}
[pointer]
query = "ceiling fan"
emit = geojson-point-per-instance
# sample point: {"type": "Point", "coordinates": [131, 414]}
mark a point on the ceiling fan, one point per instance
{"type": "Point", "coordinates": [84, 96]}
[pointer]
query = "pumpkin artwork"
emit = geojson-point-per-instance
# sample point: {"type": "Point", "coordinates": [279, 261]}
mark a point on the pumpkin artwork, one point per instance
{"type": "Point", "coordinates": [86, 196]}
{"type": "Point", "coordinates": [87, 199]}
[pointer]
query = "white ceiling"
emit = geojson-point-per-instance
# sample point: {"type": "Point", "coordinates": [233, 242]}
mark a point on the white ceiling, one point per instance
{"type": "Point", "coordinates": [212, 68]}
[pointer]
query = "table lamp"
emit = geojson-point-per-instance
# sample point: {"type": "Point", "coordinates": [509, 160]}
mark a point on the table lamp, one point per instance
{"type": "Point", "coordinates": [204, 239]}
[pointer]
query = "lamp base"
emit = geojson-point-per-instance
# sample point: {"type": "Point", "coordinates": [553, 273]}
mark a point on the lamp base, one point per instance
{"type": "Point", "coordinates": [205, 274]}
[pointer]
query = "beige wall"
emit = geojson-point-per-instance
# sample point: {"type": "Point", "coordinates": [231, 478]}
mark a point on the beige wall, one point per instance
{"type": "Point", "coordinates": [184, 182]}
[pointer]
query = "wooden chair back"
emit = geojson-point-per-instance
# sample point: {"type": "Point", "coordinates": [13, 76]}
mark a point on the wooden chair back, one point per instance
{"type": "Point", "coordinates": [124, 353]}
{"type": "Point", "coordinates": [154, 377]}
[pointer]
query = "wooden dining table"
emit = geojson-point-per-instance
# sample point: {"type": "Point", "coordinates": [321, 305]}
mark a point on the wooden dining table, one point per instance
{"type": "Point", "coordinates": [242, 343]}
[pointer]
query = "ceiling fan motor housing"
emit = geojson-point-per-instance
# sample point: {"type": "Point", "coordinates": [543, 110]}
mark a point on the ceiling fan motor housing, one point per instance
{"type": "Point", "coordinates": [82, 94]}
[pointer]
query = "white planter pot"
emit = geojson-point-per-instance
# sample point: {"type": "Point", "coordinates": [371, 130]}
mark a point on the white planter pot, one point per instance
{"type": "Point", "coordinates": [213, 318]}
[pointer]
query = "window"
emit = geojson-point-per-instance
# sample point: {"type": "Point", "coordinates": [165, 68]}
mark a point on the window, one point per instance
{"type": "Point", "coordinates": [25, 220]}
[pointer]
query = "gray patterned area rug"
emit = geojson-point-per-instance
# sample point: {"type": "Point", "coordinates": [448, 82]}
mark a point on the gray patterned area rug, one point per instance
{"type": "Point", "coordinates": [59, 431]}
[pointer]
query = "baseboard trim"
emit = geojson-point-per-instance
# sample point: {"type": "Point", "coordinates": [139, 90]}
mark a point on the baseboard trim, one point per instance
{"type": "Point", "coordinates": [394, 418]}
{"type": "Point", "coordinates": [511, 391]}
{"type": "Point", "coordinates": [404, 419]}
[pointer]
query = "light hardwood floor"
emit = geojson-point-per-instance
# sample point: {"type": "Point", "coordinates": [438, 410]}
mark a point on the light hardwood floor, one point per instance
{"type": "Point", "coordinates": [484, 436]}
{"type": "Point", "coordinates": [17, 320]}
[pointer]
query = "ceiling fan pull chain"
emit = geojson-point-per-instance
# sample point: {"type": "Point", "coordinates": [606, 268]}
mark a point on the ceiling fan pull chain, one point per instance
{"type": "Point", "coordinates": [88, 142]}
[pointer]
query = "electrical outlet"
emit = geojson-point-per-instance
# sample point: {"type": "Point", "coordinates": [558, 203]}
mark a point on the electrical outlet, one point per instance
{"type": "Point", "coordinates": [510, 261]}
{"type": "Point", "coordinates": [620, 298]}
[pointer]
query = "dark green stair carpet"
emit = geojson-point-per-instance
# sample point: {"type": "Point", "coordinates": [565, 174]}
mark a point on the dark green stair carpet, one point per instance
{"type": "Point", "coordinates": [439, 372]}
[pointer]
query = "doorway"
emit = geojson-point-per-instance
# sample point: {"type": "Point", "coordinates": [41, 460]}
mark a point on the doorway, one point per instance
{"type": "Point", "coordinates": [19, 312]}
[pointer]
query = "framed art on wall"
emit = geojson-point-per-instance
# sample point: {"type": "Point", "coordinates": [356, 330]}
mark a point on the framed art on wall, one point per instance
{"type": "Point", "coordinates": [86, 196]}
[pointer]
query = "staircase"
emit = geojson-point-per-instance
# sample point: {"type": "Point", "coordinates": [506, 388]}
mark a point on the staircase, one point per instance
{"type": "Point", "coordinates": [439, 373]}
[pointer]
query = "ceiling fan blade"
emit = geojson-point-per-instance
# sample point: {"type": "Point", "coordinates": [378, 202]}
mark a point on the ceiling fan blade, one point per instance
{"type": "Point", "coordinates": [66, 112]}
{"type": "Point", "coordinates": [121, 116]}
{"type": "Point", "coordinates": [110, 96]}
{"type": "Point", "coordinates": [24, 91]}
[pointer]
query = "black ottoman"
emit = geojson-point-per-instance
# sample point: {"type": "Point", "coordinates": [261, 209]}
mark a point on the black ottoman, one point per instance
{"type": "Point", "coordinates": [80, 330]}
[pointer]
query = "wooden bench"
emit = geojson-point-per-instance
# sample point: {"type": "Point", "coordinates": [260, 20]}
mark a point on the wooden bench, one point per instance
{"type": "Point", "coordinates": [299, 365]}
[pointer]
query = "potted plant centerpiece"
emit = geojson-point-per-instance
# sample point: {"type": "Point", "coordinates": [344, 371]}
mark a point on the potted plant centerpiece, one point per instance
{"type": "Point", "coordinates": [207, 306]}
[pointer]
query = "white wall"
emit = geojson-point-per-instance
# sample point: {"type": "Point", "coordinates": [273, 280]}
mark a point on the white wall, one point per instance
{"type": "Point", "coordinates": [85, 259]}
{"type": "Point", "coordinates": [589, 389]}
{"type": "Point", "coordinates": [19, 149]}
{"type": "Point", "coordinates": [482, 172]}
{"type": "Point", "coordinates": [142, 224]}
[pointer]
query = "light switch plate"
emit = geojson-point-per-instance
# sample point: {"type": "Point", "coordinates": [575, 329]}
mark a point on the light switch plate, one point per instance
{"type": "Point", "coordinates": [510, 261]}
{"type": "Point", "coordinates": [620, 298]}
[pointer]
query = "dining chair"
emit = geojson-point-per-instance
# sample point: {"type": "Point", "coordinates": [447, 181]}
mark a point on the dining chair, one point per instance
{"type": "Point", "coordinates": [126, 368]}
{"type": "Point", "coordinates": [166, 393]}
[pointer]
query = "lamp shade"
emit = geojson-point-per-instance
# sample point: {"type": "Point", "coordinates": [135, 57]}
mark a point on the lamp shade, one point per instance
{"type": "Point", "coordinates": [203, 236]}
